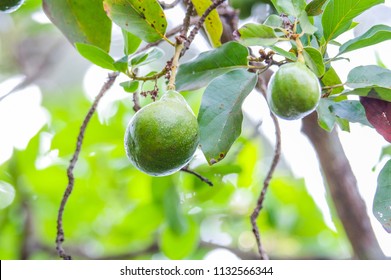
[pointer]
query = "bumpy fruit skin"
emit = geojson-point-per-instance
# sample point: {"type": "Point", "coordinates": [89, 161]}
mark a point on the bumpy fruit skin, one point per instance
{"type": "Point", "coordinates": [162, 137]}
{"type": "Point", "coordinates": [9, 6]}
{"type": "Point", "coordinates": [293, 91]}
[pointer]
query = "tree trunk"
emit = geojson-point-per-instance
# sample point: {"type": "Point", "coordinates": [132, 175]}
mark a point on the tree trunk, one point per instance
{"type": "Point", "coordinates": [342, 184]}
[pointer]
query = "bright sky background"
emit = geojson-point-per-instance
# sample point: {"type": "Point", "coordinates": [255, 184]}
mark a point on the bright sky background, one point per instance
{"type": "Point", "coordinates": [21, 116]}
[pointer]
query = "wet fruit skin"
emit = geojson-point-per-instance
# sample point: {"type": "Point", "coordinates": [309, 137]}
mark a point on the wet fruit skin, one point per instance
{"type": "Point", "coordinates": [9, 6]}
{"type": "Point", "coordinates": [293, 91]}
{"type": "Point", "coordinates": [163, 136]}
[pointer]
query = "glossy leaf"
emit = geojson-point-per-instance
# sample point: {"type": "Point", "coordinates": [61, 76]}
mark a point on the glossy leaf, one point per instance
{"type": "Point", "coordinates": [273, 21]}
{"type": "Point", "coordinates": [198, 72]}
{"type": "Point", "coordinates": [373, 92]}
{"type": "Point", "coordinates": [145, 19]}
{"type": "Point", "coordinates": [284, 53]}
{"type": "Point", "coordinates": [331, 78]}
{"type": "Point", "coordinates": [212, 24]}
{"type": "Point", "coordinates": [131, 42]}
{"type": "Point", "coordinates": [81, 21]}
{"type": "Point", "coordinates": [179, 246]}
{"type": "Point", "coordinates": [369, 75]}
{"type": "Point", "coordinates": [382, 200]}
{"type": "Point", "coordinates": [295, 8]}
{"type": "Point", "coordinates": [253, 34]}
{"type": "Point", "coordinates": [351, 110]}
{"type": "Point", "coordinates": [7, 194]}
{"type": "Point", "coordinates": [326, 119]}
{"type": "Point", "coordinates": [378, 113]}
{"type": "Point", "coordinates": [375, 35]}
{"type": "Point", "coordinates": [96, 55]}
{"type": "Point", "coordinates": [130, 86]}
{"type": "Point", "coordinates": [220, 117]}
{"type": "Point", "coordinates": [289, 7]}
{"type": "Point", "coordinates": [314, 8]}
{"type": "Point", "coordinates": [314, 60]}
{"type": "Point", "coordinates": [338, 15]}
{"type": "Point", "coordinates": [146, 57]}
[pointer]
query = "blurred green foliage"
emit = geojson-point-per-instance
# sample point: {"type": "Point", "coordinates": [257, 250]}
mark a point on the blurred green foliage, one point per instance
{"type": "Point", "coordinates": [115, 211]}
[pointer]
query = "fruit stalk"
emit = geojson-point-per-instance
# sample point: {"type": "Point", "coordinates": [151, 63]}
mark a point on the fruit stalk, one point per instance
{"type": "Point", "coordinates": [175, 63]}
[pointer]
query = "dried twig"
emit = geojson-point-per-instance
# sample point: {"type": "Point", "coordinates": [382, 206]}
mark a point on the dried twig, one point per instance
{"type": "Point", "coordinates": [261, 198]}
{"type": "Point", "coordinates": [60, 231]}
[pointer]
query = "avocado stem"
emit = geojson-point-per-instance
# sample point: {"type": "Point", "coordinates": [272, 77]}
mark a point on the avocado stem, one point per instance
{"type": "Point", "coordinates": [175, 63]}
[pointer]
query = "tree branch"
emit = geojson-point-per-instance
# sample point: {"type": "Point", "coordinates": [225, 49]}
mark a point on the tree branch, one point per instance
{"type": "Point", "coordinates": [169, 6]}
{"type": "Point", "coordinates": [266, 182]}
{"type": "Point", "coordinates": [60, 231]}
{"type": "Point", "coordinates": [342, 184]}
{"type": "Point", "coordinates": [199, 176]}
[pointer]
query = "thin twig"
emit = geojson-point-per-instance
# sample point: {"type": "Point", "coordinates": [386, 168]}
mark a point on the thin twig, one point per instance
{"type": "Point", "coordinates": [166, 6]}
{"type": "Point", "coordinates": [261, 198]}
{"type": "Point", "coordinates": [199, 176]}
{"type": "Point", "coordinates": [186, 19]}
{"type": "Point", "coordinates": [60, 230]}
{"type": "Point", "coordinates": [199, 24]}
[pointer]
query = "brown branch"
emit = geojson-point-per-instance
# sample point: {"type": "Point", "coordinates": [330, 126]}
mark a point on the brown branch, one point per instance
{"type": "Point", "coordinates": [169, 6]}
{"type": "Point", "coordinates": [60, 231]}
{"type": "Point", "coordinates": [266, 182]}
{"type": "Point", "coordinates": [199, 24]}
{"type": "Point", "coordinates": [342, 185]}
{"type": "Point", "coordinates": [186, 20]}
{"type": "Point", "coordinates": [199, 176]}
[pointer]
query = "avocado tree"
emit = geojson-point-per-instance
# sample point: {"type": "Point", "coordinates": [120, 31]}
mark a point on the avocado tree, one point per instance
{"type": "Point", "coordinates": [285, 58]}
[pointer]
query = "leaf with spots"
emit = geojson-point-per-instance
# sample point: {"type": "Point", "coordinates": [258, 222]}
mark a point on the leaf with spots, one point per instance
{"type": "Point", "coordinates": [213, 24]}
{"type": "Point", "coordinates": [82, 21]}
{"type": "Point", "coordinates": [378, 113]}
{"type": "Point", "coordinates": [220, 117]}
{"type": "Point", "coordinates": [382, 201]}
{"type": "Point", "coordinates": [143, 18]}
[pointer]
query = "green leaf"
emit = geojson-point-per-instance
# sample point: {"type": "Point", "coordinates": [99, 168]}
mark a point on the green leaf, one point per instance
{"type": "Point", "coordinates": [338, 15]}
{"type": "Point", "coordinates": [198, 72]}
{"type": "Point", "coordinates": [290, 7]}
{"type": "Point", "coordinates": [382, 200]}
{"type": "Point", "coordinates": [326, 119]}
{"type": "Point", "coordinates": [121, 64]}
{"type": "Point", "coordinates": [295, 8]}
{"type": "Point", "coordinates": [220, 117]}
{"type": "Point", "coordinates": [173, 212]}
{"type": "Point", "coordinates": [179, 246]}
{"type": "Point", "coordinates": [284, 53]}
{"type": "Point", "coordinates": [375, 35]}
{"type": "Point", "coordinates": [314, 8]}
{"type": "Point", "coordinates": [7, 194]}
{"type": "Point", "coordinates": [374, 92]}
{"type": "Point", "coordinates": [350, 110]}
{"type": "Point", "coordinates": [254, 34]}
{"type": "Point", "coordinates": [314, 60]}
{"type": "Point", "coordinates": [146, 57]}
{"type": "Point", "coordinates": [96, 55]}
{"type": "Point", "coordinates": [145, 19]}
{"type": "Point", "coordinates": [273, 21]}
{"type": "Point", "coordinates": [131, 42]}
{"type": "Point", "coordinates": [212, 24]}
{"type": "Point", "coordinates": [331, 78]}
{"type": "Point", "coordinates": [81, 21]}
{"type": "Point", "coordinates": [369, 75]}
{"type": "Point", "coordinates": [130, 86]}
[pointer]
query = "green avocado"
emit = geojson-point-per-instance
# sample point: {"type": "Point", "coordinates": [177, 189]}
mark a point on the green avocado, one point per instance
{"type": "Point", "coordinates": [293, 91]}
{"type": "Point", "coordinates": [163, 136]}
{"type": "Point", "coordinates": [9, 6]}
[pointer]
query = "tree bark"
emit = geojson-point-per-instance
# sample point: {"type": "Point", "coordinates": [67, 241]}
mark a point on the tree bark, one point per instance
{"type": "Point", "coordinates": [342, 185]}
